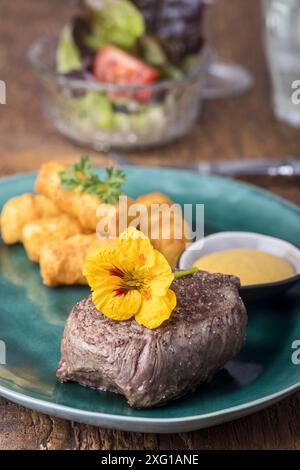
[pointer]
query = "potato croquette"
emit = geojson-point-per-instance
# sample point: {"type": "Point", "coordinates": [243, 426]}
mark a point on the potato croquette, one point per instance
{"type": "Point", "coordinates": [21, 210]}
{"type": "Point", "coordinates": [62, 262]}
{"type": "Point", "coordinates": [80, 205]}
{"type": "Point", "coordinates": [40, 231]}
{"type": "Point", "coordinates": [58, 227]}
{"type": "Point", "coordinates": [154, 198]}
{"type": "Point", "coordinates": [171, 244]}
{"type": "Point", "coordinates": [45, 207]}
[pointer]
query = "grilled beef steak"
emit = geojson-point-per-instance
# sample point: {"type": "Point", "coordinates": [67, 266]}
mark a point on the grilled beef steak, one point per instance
{"type": "Point", "coordinates": [150, 367]}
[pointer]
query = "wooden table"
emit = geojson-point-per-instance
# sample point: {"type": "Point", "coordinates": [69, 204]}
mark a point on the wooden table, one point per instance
{"type": "Point", "coordinates": [241, 127]}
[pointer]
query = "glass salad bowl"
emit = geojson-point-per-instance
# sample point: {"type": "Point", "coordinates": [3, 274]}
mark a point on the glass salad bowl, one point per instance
{"type": "Point", "coordinates": [106, 116]}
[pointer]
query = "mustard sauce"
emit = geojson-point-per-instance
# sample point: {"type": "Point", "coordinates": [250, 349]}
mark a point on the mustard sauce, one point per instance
{"type": "Point", "coordinates": [250, 265]}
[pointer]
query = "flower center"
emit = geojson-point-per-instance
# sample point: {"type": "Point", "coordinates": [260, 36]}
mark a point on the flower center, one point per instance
{"type": "Point", "coordinates": [131, 280]}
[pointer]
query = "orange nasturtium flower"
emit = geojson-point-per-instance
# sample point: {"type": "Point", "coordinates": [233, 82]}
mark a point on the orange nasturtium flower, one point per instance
{"type": "Point", "coordinates": [131, 279]}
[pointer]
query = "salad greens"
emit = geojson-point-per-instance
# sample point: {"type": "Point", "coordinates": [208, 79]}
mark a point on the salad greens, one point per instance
{"type": "Point", "coordinates": [151, 117]}
{"type": "Point", "coordinates": [95, 109]}
{"type": "Point", "coordinates": [111, 22]}
{"type": "Point", "coordinates": [153, 53]}
{"type": "Point", "coordinates": [68, 56]}
{"type": "Point", "coordinates": [116, 22]}
{"type": "Point", "coordinates": [109, 42]}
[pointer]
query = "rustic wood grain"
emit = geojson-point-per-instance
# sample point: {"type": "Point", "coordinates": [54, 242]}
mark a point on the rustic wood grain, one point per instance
{"type": "Point", "coordinates": [241, 127]}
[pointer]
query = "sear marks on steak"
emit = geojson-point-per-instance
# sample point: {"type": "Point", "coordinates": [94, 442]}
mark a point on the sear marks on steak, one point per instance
{"type": "Point", "coordinates": [150, 367]}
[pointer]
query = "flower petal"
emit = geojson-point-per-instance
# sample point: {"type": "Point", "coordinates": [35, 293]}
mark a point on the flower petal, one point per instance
{"type": "Point", "coordinates": [155, 310]}
{"type": "Point", "coordinates": [98, 265]}
{"type": "Point", "coordinates": [163, 276]}
{"type": "Point", "coordinates": [132, 232]}
{"type": "Point", "coordinates": [130, 279]}
{"type": "Point", "coordinates": [134, 245]}
{"type": "Point", "coordinates": [107, 265]}
{"type": "Point", "coordinates": [117, 305]}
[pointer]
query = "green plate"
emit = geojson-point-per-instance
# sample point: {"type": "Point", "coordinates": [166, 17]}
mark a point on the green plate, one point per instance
{"type": "Point", "coordinates": [32, 319]}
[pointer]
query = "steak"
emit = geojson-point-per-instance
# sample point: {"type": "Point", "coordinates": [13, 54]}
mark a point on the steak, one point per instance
{"type": "Point", "coordinates": [150, 367]}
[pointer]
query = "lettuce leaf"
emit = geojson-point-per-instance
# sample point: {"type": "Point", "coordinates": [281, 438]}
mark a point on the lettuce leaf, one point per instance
{"type": "Point", "coordinates": [153, 53]}
{"type": "Point", "coordinates": [94, 109]}
{"type": "Point", "coordinates": [116, 22]}
{"type": "Point", "coordinates": [67, 55]}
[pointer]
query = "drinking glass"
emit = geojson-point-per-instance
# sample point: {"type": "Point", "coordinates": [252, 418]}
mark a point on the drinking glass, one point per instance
{"type": "Point", "coordinates": [282, 39]}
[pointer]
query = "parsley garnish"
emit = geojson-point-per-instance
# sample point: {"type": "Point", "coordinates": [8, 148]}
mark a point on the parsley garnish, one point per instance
{"type": "Point", "coordinates": [81, 178]}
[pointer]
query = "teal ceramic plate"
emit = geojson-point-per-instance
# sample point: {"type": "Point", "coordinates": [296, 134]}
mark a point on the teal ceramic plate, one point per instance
{"type": "Point", "coordinates": [32, 319]}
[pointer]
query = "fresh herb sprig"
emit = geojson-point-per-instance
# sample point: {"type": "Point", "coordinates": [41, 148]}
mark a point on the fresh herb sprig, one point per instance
{"type": "Point", "coordinates": [80, 177]}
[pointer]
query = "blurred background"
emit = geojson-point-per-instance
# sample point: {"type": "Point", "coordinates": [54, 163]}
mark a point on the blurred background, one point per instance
{"type": "Point", "coordinates": [239, 127]}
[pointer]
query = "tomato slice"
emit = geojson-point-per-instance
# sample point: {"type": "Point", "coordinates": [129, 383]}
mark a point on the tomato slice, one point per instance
{"type": "Point", "coordinates": [113, 65]}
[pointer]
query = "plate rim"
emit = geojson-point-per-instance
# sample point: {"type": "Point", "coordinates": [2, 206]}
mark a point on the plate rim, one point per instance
{"type": "Point", "coordinates": [159, 425]}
